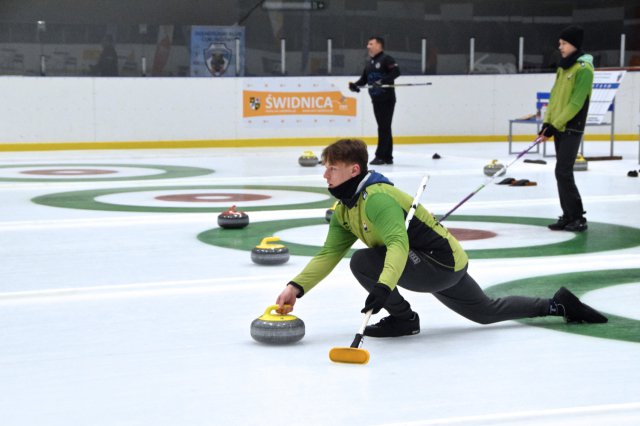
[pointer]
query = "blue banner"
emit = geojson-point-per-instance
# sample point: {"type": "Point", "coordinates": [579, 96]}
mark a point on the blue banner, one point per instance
{"type": "Point", "coordinates": [217, 51]}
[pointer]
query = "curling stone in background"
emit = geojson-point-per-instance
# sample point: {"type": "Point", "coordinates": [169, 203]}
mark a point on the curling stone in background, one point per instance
{"type": "Point", "coordinates": [233, 219]}
{"type": "Point", "coordinates": [308, 159]}
{"type": "Point", "coordinates": [330, 211]}
{"type": "Point", "coordinates": [266, 253]}
{"type": "Point", "coordinates": [494, 167]}
{"type": "Point", "coordinates": [276, 329]}
{"type": "Point", "coordinates": [581, 164]}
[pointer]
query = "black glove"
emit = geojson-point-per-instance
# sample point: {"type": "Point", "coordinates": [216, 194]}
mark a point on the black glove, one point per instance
{"type": "Point", "coordinates": [547, 130]}
{"type": "Point", "coordinates": [376, 298]}
{"type": "Point", "coordinates": [353, 87]}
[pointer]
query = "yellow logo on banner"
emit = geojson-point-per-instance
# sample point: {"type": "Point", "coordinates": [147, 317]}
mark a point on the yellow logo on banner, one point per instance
{"type": "Point", "coordinates": [261, 104]}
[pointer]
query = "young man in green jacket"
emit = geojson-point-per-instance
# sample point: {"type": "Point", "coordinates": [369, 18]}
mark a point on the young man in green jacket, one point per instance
{"type": "Point", "coordinates": [426, 257]}
{"type": "Point", "coordinates": [565, 120]}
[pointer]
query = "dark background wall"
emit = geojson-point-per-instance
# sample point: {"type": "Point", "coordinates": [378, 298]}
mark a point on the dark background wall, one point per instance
{"type": "Point", "coordinates": [446, 24]}
{"type": "Point", "coordinates": [183, 12]}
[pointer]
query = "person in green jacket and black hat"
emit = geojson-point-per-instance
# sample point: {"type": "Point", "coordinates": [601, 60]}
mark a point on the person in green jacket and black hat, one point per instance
{"type": "Point", "coordinates": [565, 120]}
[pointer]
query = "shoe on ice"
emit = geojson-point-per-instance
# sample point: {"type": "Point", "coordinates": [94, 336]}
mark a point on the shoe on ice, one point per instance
{"type": "Point", "coordinates": [578, 225]}
{"type": "Point", "coordinates": [393, 327]}
{"type": "Point", "coordinates": [574, 311]}
{"type": "Point", "coordinates": [506, 181]}
{"type": "Point", "coordinates": [560, 223]}
{"type": "Point", "coordinates": [380, 161]}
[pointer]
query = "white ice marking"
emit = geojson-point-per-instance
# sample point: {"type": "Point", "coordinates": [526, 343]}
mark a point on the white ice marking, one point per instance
{"type": "Point", "coordinates": [125, 291]}
{"type": "Point", "coordinates": [632, 408]}
{"type": "Point", "coordinates": [613, 300]}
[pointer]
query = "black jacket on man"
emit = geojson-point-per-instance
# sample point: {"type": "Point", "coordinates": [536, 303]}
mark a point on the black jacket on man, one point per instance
{"type": "Point", "coordinates": [383, 69]}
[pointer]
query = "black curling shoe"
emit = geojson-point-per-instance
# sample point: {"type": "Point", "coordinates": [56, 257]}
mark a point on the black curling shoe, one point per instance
{"type": "Point", "coordinates": [574, 311]}
{"type": "Point", "coordinates": [560, 224]}
{"type": "Point", "coordinates": [394, 327]}
{"type": "Point", "coordinates": [380, 162]}
{"type": "Point", "coordinates": [578, 225]}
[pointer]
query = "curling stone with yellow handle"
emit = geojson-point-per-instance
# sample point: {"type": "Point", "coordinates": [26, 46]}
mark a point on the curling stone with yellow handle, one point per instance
{"type": "Point", "coordinates": [581, 164]}
{"type": "Point", "coordinates": [494, 167]}
{"type": "Point", "coordinates": [276, 329]}
{"type": "Point", "coordinates": [308, 159]}
{"type": "Point", "coordinates": [330, 211]}
{"type": "Point", "coordinates": [266, 253]}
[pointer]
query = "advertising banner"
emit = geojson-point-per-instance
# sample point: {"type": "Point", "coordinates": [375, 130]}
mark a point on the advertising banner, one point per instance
{"type": "Point", "coordinates": [214, 51]}
{"type": "Point", "coordinates": [605, 87]}
{"type": "Point", "coordinates": [288, 103]}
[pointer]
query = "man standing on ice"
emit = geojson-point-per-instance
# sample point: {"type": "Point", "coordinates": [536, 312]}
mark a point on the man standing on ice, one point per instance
{"type": "Point", "coordinates": [381, 70]}
{"type": "Point", "coordinates": [565, 120]}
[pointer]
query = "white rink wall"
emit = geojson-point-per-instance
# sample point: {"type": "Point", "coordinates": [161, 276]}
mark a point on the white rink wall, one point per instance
{"type": "Point", "coordinates": [87, 109]}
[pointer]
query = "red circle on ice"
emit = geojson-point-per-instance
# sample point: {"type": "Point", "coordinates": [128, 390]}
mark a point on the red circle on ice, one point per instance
{"type": "Point", "coordinates": [464, 234]}
{"type": "Point", "coordinates": [68, 172]}
{"type": "Point", "coordinates": [214, 197]}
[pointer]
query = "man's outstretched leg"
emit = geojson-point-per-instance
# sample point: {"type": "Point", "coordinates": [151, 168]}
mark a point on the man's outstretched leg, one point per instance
{"type": "Point", "coordinates": [467, 299]}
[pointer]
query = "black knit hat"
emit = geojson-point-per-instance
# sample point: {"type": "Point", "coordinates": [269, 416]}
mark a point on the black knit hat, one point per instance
{"type": "Point", "coordinates": [573, 35]}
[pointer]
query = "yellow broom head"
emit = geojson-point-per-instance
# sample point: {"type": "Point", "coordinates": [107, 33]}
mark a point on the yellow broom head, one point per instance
{"type": "Point", "coordinates": [349, 355]}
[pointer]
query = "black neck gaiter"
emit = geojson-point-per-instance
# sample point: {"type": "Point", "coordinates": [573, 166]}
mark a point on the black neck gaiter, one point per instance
{"type": "Point", "coordinates": [346, 191]}
{"type": "Point", "coordinates": [568, 62]}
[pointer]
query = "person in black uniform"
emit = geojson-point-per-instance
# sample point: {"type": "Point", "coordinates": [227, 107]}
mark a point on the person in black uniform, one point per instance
{"type": "Point", "coordinates": [381, 70]}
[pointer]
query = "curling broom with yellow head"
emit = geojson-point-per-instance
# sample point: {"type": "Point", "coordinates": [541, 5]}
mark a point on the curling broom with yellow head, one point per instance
{"type": "Point", "coordinates": [355, 354]}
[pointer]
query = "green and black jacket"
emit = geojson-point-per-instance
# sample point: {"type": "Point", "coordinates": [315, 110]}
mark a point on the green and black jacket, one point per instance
{"type": "Point", "coordinates": [378, 219]}
{"type": "Point", "coordinates": [569, 100]}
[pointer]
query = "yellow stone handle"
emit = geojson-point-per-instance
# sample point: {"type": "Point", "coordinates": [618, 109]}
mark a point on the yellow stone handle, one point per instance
{"type": "Point", "coordinates": [266, 243]}
{"type": "Point", "coordinates": [273, 308]}
{"type": "Point", "coordinates": [269, 316]}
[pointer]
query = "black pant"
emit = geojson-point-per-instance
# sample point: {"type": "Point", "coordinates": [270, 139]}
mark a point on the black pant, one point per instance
{"type": "Point", "coordinates": [384, 115]}
{"type": "Point", "coordinates": [456, 290]}
{"type": "Point", "coordinates": [567, 145]}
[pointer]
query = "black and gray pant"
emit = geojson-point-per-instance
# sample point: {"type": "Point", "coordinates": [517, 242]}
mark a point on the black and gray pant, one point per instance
{"type": "Point", "coordinates": [456, 290]}
{"type": "Point", "coordinates": [567, 144]}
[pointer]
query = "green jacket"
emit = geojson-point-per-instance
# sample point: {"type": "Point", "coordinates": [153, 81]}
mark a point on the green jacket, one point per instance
{"type": "Point", "coordinates": [569, 100]}
{"type": "Point", "coordinates": [378, 219]}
